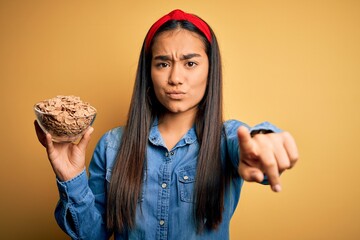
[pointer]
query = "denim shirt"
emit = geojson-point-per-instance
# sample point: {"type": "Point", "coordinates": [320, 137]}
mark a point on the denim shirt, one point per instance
{"type": "Point", "coordinates": [166, 198]}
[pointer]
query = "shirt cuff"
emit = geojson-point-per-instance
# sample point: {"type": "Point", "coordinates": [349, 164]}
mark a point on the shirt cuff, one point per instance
{"type": "Point", "coordinates": [265, 126]}
{"type": "Point", "coordinates": [73, 190]}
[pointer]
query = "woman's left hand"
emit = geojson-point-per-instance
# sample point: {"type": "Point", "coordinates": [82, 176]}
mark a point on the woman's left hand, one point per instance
{"type": "Point", "coordinates": [266, 154]}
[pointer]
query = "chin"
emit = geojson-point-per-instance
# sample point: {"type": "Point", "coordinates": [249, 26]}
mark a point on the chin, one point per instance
{"type": "Point", "coordinates": [178, 110]}
{"type": "Point", "coordinates": [174, 109]}
{"type": "Point", "coordinates": [171, 110]}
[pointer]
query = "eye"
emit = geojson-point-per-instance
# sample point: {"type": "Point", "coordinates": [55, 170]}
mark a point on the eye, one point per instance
{"type": "Point", "coordinates": [191, 64]}
{"type": "Point", "coordinates": [162, 65]}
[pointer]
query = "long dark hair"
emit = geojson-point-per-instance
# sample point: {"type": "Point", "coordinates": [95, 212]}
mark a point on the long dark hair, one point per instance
{"type": "Point", "coordinates": [127, 174]}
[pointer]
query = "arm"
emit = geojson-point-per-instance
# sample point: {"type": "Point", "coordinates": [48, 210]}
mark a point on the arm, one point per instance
{"type": "Point", "coordinates": [80, 210]}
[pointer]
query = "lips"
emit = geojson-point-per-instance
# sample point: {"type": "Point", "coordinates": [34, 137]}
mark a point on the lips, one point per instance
{"type": "Point", "coordinates": [174, 94]}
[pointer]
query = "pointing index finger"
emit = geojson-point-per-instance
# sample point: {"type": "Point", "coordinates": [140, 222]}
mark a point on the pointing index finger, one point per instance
{"type": "Point", "coordinates": [245, 141]}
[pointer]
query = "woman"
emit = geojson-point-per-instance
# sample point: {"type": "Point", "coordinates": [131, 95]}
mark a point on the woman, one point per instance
{"type": "Point", "coordinates": [175, 171]}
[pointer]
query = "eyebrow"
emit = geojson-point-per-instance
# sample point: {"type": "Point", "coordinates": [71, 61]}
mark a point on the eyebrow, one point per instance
{"type": "Point", "coordinates": [183, 57]}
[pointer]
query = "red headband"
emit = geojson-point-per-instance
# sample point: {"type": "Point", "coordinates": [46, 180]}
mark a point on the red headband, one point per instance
{"type": "Point", "coordinates": [177, 15]}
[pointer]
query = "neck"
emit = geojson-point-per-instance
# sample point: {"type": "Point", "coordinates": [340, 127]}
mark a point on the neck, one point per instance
{"type": "Point", "coordinates": [177, 121]}
{"type": "Point", "coordinates": [173, 126]}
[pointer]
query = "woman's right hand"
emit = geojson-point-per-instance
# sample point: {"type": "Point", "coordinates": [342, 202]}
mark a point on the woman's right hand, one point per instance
{"type": "Point", "coordinates": [67, 159]}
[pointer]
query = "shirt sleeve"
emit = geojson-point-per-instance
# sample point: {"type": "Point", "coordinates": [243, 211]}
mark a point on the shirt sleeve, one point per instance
{"type": "Point", "coordinates": [80, 211]}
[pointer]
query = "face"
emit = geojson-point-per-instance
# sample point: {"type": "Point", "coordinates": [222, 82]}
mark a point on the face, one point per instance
{"type": "Point", "coordinates": [179, 70]}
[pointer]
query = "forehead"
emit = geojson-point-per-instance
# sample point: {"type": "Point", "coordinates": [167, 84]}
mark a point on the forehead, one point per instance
{"type": "Point", "coordinates": [178, 40]}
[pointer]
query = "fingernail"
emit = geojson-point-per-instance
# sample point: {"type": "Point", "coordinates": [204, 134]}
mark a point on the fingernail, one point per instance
{"type": "Point", "coordinates": [276, 188]}
{"type": "Point", "coordinates": [91, 129]}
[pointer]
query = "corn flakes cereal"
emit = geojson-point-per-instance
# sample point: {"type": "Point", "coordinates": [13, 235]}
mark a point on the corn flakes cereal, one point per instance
{"type": "Point", "coordinates": [65, 115]}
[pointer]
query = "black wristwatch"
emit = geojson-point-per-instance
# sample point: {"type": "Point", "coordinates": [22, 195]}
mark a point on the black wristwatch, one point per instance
{"type": "Point", "coordinates": [260, 131]}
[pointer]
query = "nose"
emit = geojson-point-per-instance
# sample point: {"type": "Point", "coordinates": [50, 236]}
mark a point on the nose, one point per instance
{"type": "Point", "coordinates": [175, 76]}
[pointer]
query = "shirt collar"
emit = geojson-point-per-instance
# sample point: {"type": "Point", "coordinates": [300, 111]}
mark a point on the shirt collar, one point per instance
{"type": "Point", "coordinates": [156, 139]}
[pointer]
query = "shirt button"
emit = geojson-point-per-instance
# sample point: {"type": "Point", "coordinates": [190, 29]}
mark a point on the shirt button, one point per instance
{"type": "Point", "coordinates": [172, 153]}
{"type": "Point", "coordinates": [162, 222]}
{"type": "Point", "coordinates": [164, 185]}
{"type": "Point", "coordinates": [186, 177]}
{"type": "Point", "coordinates": [166, 154]}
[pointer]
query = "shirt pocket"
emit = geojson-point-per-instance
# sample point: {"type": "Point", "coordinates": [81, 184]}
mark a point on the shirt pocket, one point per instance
{"type": "Point", "coordinates": [108, 179]}
{"type": "Point", "coordinates": [186, 184]}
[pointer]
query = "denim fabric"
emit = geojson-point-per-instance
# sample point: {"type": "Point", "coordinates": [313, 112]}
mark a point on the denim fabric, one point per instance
{"type": "Point", "coordinates": [167, 195]}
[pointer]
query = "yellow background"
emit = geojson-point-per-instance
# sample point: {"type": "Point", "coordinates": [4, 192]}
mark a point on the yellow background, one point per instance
{"type": "Point", "coordinates": [293, 63]}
